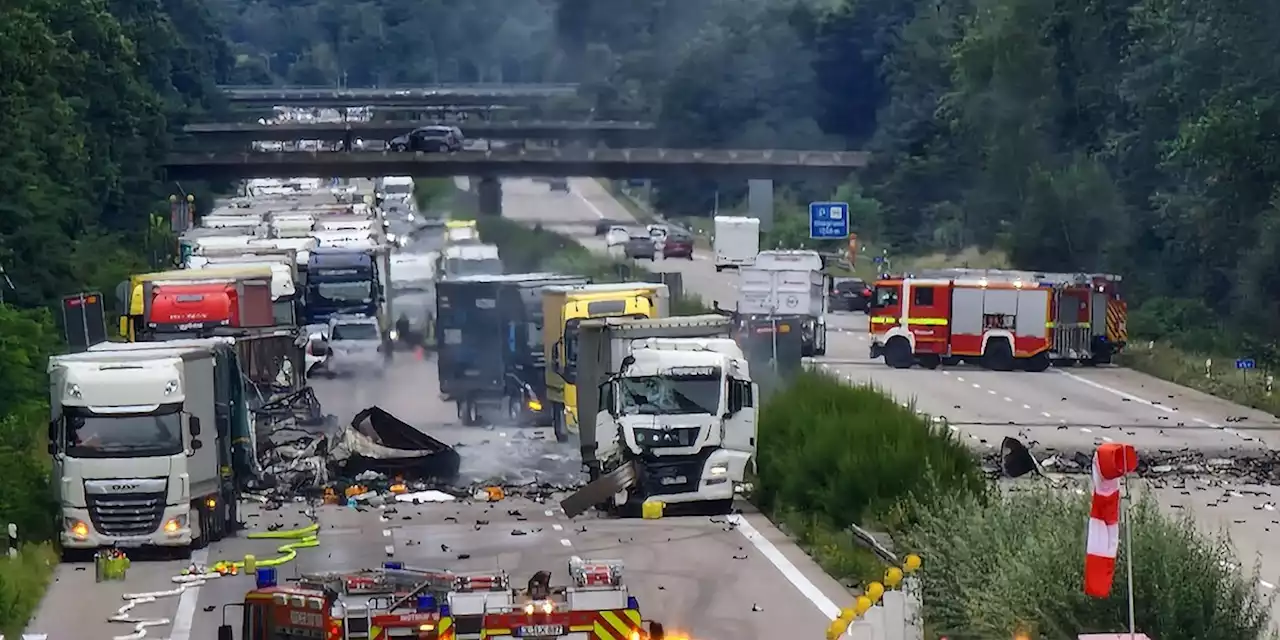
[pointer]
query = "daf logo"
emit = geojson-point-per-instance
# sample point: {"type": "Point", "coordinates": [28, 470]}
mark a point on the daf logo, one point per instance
{"type": "Point", "coordinates": [123, 487]}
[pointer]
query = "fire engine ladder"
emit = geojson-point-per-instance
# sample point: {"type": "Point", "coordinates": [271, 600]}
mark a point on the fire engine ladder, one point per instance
{"type": "Point", "coordinates": [383, 587]}
{"type": "Point", "coordinates": [588, 574]}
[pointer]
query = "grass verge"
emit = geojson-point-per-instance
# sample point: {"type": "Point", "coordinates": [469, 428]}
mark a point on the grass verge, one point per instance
{"type": "Point", "coordinates": [1216, 376]}
{"type": "Point", "coordinates": [832, 455]}
{"type": "Point", "coordinates": [23, 581]}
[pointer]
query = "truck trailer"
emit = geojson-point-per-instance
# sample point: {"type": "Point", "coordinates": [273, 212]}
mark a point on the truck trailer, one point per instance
{"type": "Point", "coordinates": [674, 419]}
{"type": "Point", "coordinates": [489, 346]}
{"type": "Point", "coordinates": [151, 444]}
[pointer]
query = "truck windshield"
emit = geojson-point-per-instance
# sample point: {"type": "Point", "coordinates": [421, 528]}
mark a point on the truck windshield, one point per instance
{"type": "Point", "coordinates": [122, 435]}
{"type": "Point", "coordinates": [670, 395]}
{"type": "Point", "coordinates": [360, 292]}
{"type": "Point", "coordinates": [397, 188]}
{"type": "Point", "coordinates": [457, 267]}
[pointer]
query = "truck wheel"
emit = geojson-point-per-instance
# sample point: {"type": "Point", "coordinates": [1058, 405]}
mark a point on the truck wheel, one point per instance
{"type": "Point", "coordinates": [999, 355]}
{"type": "Point", "coordinates": [897, 354]}
{"type": "Point", "coordinates": [515, 411]}
{"type": "Point", "coordinates": [557, 423]}
{"type": "Point", "coordinates": [200, 538]}
{"type": "Point", "coordinates": [473, 413]}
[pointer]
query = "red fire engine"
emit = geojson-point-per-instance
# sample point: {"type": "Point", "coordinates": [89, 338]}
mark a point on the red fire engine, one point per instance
{"type": "Point", "coordinates": [395, 602]}
{"type": "Point", "coordinates": [1002, 320]}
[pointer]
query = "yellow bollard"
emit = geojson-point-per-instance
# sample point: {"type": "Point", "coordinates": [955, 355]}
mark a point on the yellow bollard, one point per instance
{"type": "Point", "coordinates": [250, 564]}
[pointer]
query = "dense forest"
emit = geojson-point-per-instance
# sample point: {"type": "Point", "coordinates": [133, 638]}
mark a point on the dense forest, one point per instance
{"type": "Point", "coordinates": [90, 94]}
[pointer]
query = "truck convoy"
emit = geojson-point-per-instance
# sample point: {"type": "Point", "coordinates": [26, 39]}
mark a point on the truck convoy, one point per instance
{"type": "Point", "coordinates": [395, 602]}
{"type": "Point", "coordinates": [489, 346]}
{"type": "Point", "coordinates": [674, 418]}
{"type": "Point", "coordinates": [788, 284]}
{"type": "Point", "coordinates": [563, 309]}
{"type": "Point", "coordinates": [151, 443]}
{"type": "Point", "coordinates": [1002, 320]}
{"type": "Point", "coordinates": [469, 259]}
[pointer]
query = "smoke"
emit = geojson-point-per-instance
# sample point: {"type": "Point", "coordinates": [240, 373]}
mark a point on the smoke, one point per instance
{"type": "Point", "coordinates": [516, 456]}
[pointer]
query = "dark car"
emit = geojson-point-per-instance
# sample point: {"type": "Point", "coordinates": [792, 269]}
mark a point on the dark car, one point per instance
{"type": "Point", "coordinates": [603, 225]}
{"type": "Point", "coordinates": [434, 138]}
{"type": "Point", "coordinates": [639, 247]}
{"type": "Point", "coordinates": [678, 245]}
{"type": "Point", "coordinates": [850, 294]}
{"type": "Point", "coordinates": [561, 185]}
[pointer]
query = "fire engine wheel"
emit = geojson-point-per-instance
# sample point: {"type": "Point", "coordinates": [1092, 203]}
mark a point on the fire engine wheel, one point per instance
{"type": "Point", "coordinates": [930, 362]}
{"type": "Point", "coordinates": [1037, 363]}
{"type": "Point", "coordinates": [998, 356]}
{"type": "Point", "coordinates": [897, 354]}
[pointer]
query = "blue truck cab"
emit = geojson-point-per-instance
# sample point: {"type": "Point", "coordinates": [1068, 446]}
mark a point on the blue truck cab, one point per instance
{"type": "Point", "coordinates": [342, 281]}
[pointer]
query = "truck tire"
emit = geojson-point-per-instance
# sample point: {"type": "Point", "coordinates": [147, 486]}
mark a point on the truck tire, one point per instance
{"type": "Point", "coordinates": [1037, 363]}
{"type": "Point", "coordinates": [897, 354]}
{"type": "Point", "coordinates": [999, 355]}
{"type": "Point", "coordinates": [196, 518]}
{"type": "Point", "coordinates": [472, 416]}
{"type": "Point", "coordinates": [557, 422]}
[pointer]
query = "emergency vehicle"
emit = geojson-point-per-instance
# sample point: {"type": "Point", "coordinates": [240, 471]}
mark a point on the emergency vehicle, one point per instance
{"type": "Point", "coordinates": [999, 319]}
{"type": "Point", "coordinates": [395, 602]}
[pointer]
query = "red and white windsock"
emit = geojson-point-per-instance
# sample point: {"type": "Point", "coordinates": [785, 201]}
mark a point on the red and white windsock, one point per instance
{"type": "Point", "coordinates": [1111, 462]}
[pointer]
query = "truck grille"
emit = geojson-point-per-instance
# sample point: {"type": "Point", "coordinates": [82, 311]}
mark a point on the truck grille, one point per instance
{"type": "Point", "coordinates": [126, 514]}
{"type": "Point", "coordinates": [673, 474]}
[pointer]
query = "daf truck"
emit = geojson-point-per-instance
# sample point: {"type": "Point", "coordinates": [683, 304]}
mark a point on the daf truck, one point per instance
{"type": "Point", "coordinates": [674, 415]}
{"type": "Point", "coordinates": [563, 309]}
{"type": "Point", "coordinates": [144, 444]}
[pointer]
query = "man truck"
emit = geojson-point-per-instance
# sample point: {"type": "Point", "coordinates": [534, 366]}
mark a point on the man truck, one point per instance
{"type": "Point", "coordinates": [489, 346]}
{"type": "Point", "coordinates": [563, 308]}
{"type": "Point", "coordinates": [151, 444]}
{"type": "Point", "coordinates": [674, 416]}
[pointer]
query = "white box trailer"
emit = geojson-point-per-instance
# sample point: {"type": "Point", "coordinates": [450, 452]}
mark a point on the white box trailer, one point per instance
{"type": "Point", "coordinates": [736, 241]}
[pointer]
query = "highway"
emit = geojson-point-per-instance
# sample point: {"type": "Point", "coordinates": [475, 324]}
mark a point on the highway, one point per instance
{"type": "Point", "coordinates": [1063, 412]}
{"type": "Point", "coordinates": [716, 578]}
{"type": "Point", "coordinates": [556, 162]}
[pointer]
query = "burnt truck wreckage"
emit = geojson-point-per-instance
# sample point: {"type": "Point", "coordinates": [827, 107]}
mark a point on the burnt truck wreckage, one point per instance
{"type": "Point", "coordinates": [489, 346]}
{"type": "Point", "coordinates": [300, 461]}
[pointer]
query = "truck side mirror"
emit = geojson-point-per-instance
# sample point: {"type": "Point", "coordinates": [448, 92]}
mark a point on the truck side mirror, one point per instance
{"type": "Point", "coordinates": [194, 426]}
{"type": "Point", "coordinates": [555, 356]}
{"type": "Point", "coordinates": [626, 364]}
{"type": "Point", "coordinates": [225, 632]}
{"type": "Point", "coordinates": [196, 445]}
{"type": "Point", "coordinates": [53, 431]}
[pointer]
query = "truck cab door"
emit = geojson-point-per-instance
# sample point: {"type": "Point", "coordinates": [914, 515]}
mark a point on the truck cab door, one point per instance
{"type": "Point", "coordinates": [740, 419]}
{"type": "Point", "coordinates": [59, 459]}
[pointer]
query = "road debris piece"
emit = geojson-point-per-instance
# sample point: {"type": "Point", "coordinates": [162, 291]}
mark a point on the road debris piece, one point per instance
{"type": "Point", "coordinates": [380, 442]}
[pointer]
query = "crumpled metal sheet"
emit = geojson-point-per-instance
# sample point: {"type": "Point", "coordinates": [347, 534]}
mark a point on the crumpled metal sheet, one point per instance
{"type": "Point", "coordinates": [378, 441]}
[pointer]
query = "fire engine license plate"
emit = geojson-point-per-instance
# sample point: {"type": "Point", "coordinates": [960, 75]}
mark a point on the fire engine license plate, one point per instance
{"type": "Point", "coordinates": [541, 630]}
{"type": "Point", "coordinates": [670, 480]}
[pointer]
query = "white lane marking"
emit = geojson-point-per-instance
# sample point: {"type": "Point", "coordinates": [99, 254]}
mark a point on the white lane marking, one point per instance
{"type": "Point", "coordinates": [946, 373]}
{"type": "Point", "coordinates": [1128, 396]}
{"type": "Point", "coordinates": [386, 533]}
{"type": "Point", "coordinates": [1026, 406]}
{"type": "Point", "coordinates": [590, 205]}
{"type": "Point", "coordinates": [548, 513]}
{"type": "Point", "coordinates": [788, 570]}
{"type": "Point", "coordinates": [1045, 414]}
{"type": "Point", "coordinates": [1266, 585]}
{"type": "Point", "coordinates": [1086, 430]}
{"type": "Point", "coordinates": [959, 379]}
{"type": "Point", "coordinates": [991, 391]}
{"type": "Point", "coordinates": [565, 542]}
{"type": "Point", "coordinates": [187, 602]}
{"type": "Point", "coordinates": [977, 386]}
{"type": "Point", "coordinates": [1008, 399]}
{"type": "Point", "coordinates": [390, 550]}
{"type": "Point", "coordinates": [557, 527]}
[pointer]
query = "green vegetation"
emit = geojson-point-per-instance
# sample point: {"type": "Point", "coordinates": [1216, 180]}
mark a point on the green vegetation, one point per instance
{"type": "Point", "coordinates": [437, 196]}
{"type": "Point", "coordinates": [530, 250]}
{"type": "Point", "coordinates": [23, 582]}
{"type": "Point", "coordinates": [832, 455]}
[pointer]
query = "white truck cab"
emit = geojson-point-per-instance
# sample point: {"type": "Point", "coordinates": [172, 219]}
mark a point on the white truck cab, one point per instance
{"type": "Point", "coordinates": [686, 406]}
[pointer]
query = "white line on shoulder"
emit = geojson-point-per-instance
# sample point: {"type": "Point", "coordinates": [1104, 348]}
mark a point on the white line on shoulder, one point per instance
{"type": "Point", "coordinates": [788, 570]}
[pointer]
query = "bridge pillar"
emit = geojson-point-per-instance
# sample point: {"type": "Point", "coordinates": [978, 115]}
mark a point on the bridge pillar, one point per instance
{"type": "Point", "coordinates": [760, 202]}
{"type": "Point", "coordinates": [489, 190]}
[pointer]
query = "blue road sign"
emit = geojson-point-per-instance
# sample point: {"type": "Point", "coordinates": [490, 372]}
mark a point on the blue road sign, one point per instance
{"type": "Point", "coordinates": [878, 259]}
{"type": "Point", "coordinates": [828, 220]}
{"type": "Point", "coordinates": [1246, 363]}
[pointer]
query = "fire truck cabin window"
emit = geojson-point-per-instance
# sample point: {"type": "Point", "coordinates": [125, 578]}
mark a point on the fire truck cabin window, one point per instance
{"type": "Point", "coordinates": [886, 296]}
{"type": "Point", "coordinates": [922, 296]}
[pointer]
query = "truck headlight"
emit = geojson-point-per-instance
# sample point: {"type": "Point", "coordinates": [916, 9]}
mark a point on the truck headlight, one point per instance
{"type": "Point", "coordinates": [393, 334]}
{"type": "Point", "coordinates": [171, 387]}
{"type": "Point", "coordinates": [718, 470]}
{"type": "Point", "coordinates": [175, 524]}
{"type": "Point", "coordinates": [534, 405]}
{"type": "Point", "coordinates": [77, 528]}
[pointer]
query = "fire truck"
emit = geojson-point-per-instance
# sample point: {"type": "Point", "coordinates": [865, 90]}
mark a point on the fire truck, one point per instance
{"type": "Point", "coordinates": [1002, 320]}
{"type": "Point", "coordinates": [396, 602]}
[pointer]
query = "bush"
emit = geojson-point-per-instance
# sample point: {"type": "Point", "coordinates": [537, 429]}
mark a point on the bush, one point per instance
{"type": "Point", "coordinates": [993, 567]}
{"type": "Point", "coordinates": [22, 584]}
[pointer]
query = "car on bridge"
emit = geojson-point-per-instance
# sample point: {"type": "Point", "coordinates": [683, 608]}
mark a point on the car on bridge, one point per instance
{"type": "Point", "coordinates": [431, 138]}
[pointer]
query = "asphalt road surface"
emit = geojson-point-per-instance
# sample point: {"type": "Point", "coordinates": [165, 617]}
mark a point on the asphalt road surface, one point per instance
{"type": "Point", "coordinates": [717, 578]}
{"type": "Point", "coordinates": [1219, 458]}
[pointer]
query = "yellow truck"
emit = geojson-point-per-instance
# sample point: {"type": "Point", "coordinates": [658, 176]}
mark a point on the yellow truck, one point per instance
{"type": "Point", "coordinates": [563, 308]}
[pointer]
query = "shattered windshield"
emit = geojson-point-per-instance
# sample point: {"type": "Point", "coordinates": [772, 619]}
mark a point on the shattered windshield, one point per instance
{"type": "Point", "coordinates": [122, 435]}
{"type": "Point", "coordinates": [670, 394]}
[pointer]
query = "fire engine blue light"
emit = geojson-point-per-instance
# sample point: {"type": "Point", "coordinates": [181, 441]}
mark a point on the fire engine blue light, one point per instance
{"type": "Point", "coordinates": [266, 577]}
{"type": "Point", "coordinates": [426, 603]}
{"type": "Point", "coordinates": [444, 611]}
{"type": "Point", "coordinates": [632, 603]}
{"type": "Point", "coordinates": [393, 566]}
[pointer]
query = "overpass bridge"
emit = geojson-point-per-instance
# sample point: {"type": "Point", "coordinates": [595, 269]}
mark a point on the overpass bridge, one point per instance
{"type": "Point", "coordinates": [441, 95]}
{"type": "Point", "coordinates": [556, 162]}
{"type": "Point", "coordinates": [722, 164]}
{"type": "Point", "coordinates": [614, 134]}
